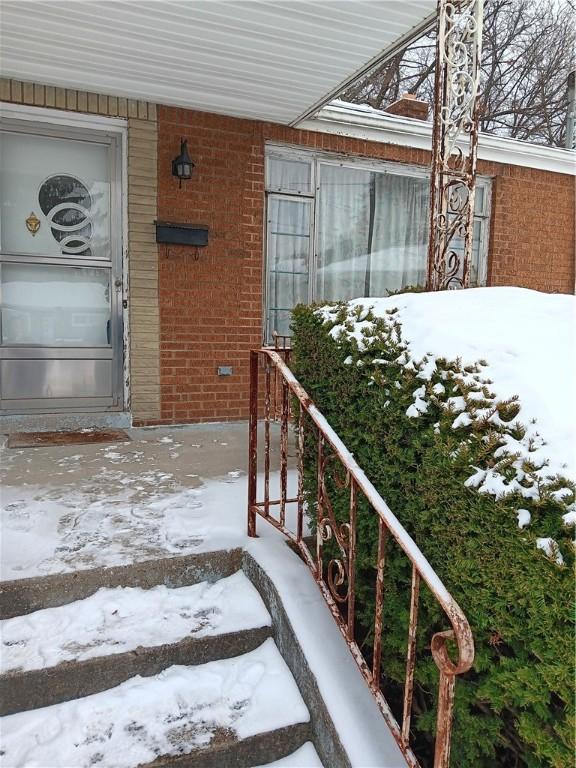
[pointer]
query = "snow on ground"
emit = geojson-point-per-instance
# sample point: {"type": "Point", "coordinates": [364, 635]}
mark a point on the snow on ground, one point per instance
{"type": "Point", "coordinates": [86, 528]}
{"type": "Point", "coordinates": [305, 757]}
{"type": "Point", "coordinates": [180, 709]}
{"type": "Point", "coordinates": [122, 619]}
{"type": "Point", "coordinates": [116, 504]}
{"type": "Point", "coordinates": [527, 338]}
{"type": "Point", "coordinates": [356, 718]}
{"type": "Point", "coordinates": [64, 509]}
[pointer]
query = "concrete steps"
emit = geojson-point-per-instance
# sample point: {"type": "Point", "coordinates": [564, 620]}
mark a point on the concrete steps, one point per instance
{"type": "Point", "coordinates": [88, 645]}
{"type": "Point", "coordinates": [237, 711]}
{"type": "Point", "coordinates": [21, 596]}
{"type": "Point", "coordinates": [156, 667]}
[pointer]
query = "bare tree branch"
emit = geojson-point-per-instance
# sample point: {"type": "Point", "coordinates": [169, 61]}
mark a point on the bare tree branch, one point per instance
{"type": "Point", "coordinates": [528, 51]}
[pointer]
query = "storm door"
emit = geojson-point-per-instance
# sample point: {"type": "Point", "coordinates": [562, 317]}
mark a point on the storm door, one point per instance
{"type": "Point", "coordinates": [60, 272]}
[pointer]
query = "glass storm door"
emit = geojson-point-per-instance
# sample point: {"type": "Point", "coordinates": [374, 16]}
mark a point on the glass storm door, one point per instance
{"type": "Point", "coordinates": [60, 273]}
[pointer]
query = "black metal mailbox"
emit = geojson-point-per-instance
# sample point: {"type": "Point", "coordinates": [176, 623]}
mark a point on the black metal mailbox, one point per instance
{"type": "Point", "coordinates": [181, 234]}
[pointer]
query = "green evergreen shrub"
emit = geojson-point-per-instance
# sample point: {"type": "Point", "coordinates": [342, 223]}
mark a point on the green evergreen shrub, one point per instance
{"type": "Point", "coordinates": [515, 707]}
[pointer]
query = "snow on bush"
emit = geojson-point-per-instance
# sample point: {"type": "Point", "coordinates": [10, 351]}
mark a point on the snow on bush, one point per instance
{"type": "Point", "coordinates": [506, 358]}
{"type": "Point", "coordinates": [459, 408]}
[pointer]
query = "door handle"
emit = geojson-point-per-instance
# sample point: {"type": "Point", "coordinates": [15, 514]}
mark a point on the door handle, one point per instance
{"type": "Point", "coordinates": [118, 286]}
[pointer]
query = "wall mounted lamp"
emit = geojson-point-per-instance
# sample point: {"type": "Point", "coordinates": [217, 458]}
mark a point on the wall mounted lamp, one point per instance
{"type": "Point", "coordinates": [182, 166]}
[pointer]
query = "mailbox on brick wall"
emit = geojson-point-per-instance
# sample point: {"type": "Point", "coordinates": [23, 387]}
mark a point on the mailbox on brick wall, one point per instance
{"type": "Point", "coordinates": [181, 234]}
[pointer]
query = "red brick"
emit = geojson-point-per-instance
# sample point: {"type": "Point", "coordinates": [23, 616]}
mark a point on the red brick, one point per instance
{"type": "Point", "coordinates": [211, 306]}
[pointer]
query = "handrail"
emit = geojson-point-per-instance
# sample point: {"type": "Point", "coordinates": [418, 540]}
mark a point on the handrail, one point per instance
{"type": "Point", "coordinates": [340, 572]}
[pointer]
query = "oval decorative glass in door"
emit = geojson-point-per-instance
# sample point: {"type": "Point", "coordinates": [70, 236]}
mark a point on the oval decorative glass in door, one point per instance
{"type": "Point", "coordinates": [67, 204]}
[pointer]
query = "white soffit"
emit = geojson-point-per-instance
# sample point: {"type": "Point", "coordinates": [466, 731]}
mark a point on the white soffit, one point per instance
{"type": "Point", "coordinates": [275, 60]}
{"type": "Point", "coordinates": [363, 122]}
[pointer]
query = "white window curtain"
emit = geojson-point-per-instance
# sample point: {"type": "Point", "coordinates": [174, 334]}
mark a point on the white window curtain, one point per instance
{"type": "Point", "coordinates": [289, 176]}
{"type": "Point", "coordinates": [372, 233]}
{"type": "Point", "coordinates": [369, 226]}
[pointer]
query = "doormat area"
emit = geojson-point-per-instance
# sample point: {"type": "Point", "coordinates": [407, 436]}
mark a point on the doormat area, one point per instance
{"type": "Point", "coordinates": [81, 437]}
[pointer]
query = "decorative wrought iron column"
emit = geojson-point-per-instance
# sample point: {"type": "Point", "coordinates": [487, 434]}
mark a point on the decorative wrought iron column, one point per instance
{"type": "Point", "coordinates": [454, 143]}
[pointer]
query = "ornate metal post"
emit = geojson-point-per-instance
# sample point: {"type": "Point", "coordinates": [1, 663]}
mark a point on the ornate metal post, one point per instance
{"type": "Point", "coordinates": [454, 142]}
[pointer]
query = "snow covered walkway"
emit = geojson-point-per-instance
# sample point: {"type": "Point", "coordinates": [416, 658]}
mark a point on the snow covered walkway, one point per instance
{"type": "Point", "coordinates": [164, 493]}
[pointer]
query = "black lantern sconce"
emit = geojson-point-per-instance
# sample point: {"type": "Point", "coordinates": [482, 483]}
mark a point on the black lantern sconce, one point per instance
{"type": "Point", "coordinates": [182, 165]}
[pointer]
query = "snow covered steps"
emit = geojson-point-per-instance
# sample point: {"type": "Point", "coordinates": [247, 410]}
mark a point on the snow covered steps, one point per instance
{"type": "Point", "coordinates": [232, 713]}
{"type": "Point", "coordinates": [184, 661]}
{"type": "Point", "coordinates": [89, 645]}
{"type": "Point", "coordinates": [20, 596]}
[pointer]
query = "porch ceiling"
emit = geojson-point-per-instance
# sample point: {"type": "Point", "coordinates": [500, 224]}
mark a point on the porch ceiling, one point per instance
{"type": "Point", "coordinates": [276, 60]}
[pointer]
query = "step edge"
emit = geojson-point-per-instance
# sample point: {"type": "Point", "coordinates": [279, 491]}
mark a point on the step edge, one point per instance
{"type": "Point", "coordinates": [325, 736]}
{"type": "Point", "coordinates": [19, 597]}
{"type": "Point", "coordinates": [259, 749]}
{"type": "Point", "coordinates": [58, 684]}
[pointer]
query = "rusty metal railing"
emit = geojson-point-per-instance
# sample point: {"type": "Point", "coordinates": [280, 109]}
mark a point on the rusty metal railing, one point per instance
{"type": "Point", "coordinates": [337, 579]}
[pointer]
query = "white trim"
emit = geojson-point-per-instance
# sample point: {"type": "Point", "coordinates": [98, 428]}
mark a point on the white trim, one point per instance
{"type": "Point", "coordinates": [126, 371]}
{"type": "Point", "coordinates": [374, 125]}
{"type": "Point", "coordinates": [62, 117]}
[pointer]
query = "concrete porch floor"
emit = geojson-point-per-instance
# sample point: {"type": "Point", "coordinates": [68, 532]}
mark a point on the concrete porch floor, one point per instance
{"type": "Point", "coordinates": [170, 491]}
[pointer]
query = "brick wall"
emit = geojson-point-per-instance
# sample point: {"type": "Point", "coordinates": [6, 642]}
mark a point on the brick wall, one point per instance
{"type": "Point", "coordinates": [211, 299]}
{"type": "Point", "coordinates": [532, 231]}
{"type": "Point", "coordinates": [142, 250]}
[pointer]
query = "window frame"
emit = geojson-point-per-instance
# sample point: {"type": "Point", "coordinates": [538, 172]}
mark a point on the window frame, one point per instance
{"type": "Point", "coordinates": [311, 201]}
{"type": "Point", "coordinates": [317, 159]}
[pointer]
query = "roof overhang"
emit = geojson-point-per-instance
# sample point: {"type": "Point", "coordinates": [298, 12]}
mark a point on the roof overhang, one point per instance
{"type": "Point", "coordinates": [273, 60]}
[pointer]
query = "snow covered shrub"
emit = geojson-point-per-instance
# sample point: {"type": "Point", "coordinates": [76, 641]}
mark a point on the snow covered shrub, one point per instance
{"type": "Point", "coordinates": [471, 485]}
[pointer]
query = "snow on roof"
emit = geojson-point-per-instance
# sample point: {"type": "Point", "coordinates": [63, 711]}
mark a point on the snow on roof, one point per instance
{"type": "Point", "coordinates": [364, 122]}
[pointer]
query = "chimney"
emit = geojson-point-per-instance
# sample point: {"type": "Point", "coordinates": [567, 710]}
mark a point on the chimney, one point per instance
{"type": "Point", "coordinates": [409, 106]}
